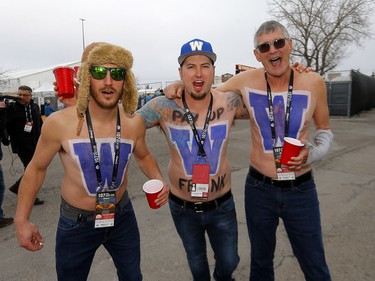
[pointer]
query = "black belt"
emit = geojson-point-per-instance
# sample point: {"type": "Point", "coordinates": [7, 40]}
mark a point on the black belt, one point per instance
{"type": "Point", "coordinates": [75, 214]}
{"type": "Point", "coordinates": [282, 184]}
{"type": "Point", "coordinates": [200, 207]}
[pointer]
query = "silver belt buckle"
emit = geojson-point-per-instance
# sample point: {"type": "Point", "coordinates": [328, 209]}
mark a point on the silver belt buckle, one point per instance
{"type": "Point", "coordinates": [197, 207]}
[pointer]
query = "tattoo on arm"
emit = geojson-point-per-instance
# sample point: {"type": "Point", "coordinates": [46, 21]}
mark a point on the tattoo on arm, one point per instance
{"type": "Point", "coordinates": [235, 102]}
{"type": "Point", "coordinates": [150, 114]}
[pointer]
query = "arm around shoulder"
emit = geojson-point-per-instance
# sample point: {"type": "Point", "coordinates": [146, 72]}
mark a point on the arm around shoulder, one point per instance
{"type": "Point", "coordinates": [240, 81]}
{"type": "Point", "coordinates": [321, 112]}
{"type": "Point", "coordinates": [323, 136]}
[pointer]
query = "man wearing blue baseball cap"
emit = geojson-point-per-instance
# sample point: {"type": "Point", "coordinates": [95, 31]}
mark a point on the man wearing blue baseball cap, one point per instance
{"type": "Point", "coordinates": [196, 129]}
{"type": "Point", "coordinates": [196, 47]}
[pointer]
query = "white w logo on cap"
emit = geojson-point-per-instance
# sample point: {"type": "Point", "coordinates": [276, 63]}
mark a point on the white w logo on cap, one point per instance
{"type": "Point", "coordinates": [196, 45]}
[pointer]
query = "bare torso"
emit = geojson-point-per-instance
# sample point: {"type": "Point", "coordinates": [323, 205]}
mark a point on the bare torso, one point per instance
{"type": "Point", "coordinates": [306, 93]}
{"type": "Point", "coordinates": [80, 182]}
{"type": "Point", "coordinates": [183, 147]}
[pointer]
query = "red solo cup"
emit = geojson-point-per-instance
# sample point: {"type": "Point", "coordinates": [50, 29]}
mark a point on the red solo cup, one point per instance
{"type": "Point", "coordinates": [291, 148]}
{"type": "Point", "coordinates": [152, 188]}
{"type": "Point", "coordinates": [76, 68]}
{"type": "Point", "coordinates": [64, 78]}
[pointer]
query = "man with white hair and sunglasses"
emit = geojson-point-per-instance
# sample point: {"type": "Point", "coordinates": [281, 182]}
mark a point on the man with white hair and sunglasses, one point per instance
{"type": "Point", "coordinates": [283, 103]}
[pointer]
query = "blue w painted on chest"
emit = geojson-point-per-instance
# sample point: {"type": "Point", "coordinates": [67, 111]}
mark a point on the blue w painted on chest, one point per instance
{"type": "Point", "coordinates": [259, 104]}
{"type": "Point", "coordinates": [84, 155]}
{"type": "Point", "coordinates": [185, 142]}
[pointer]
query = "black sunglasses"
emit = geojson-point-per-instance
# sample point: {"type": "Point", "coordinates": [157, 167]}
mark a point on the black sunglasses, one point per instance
{"type": "Point", "coordinates": [100, 72]}
{"type": "Point", "coordinates": [278, 44]}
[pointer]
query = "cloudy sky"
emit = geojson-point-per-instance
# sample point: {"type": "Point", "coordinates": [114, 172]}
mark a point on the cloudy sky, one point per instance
{"type": "Point", "coordinates": [42, 33]}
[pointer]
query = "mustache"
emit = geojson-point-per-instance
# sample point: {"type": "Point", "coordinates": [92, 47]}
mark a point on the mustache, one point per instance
{"type": "Point", "coordinates": [108, 89]}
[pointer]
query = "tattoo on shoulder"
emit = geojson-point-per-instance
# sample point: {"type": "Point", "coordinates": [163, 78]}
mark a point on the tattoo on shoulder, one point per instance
{"type": "Point", "coordinates": [234, 100]}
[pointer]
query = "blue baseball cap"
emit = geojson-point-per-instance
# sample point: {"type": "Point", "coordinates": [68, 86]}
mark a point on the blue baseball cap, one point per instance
{"type": "Point", "coordinates": [196, 47]}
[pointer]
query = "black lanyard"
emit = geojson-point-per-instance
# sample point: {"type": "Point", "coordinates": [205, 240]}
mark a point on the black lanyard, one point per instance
{"type": "Point", "coordinates": [288, 106]}
{"type": "Point", "coordinates": [200, 140]}
{"type": "Point", "coordinates": [96, 155]}
{"type": "Point", "coordinates": [28, 114]}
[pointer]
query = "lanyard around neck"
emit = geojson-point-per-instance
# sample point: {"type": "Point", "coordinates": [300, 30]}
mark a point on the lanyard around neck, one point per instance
{"type": "Point", "coordinates": [96, 155]}
{"type": "Point", "coordinates": [28, 113]}
{"type": "Point", "coordinates": [288, 106]}
{"type": "Point", "coordinates": [200, 140]}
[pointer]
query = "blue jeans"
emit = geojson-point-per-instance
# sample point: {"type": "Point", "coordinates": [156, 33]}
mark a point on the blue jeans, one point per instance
{"type": "Point", "coordinates": [298, 207]}
{"type": "Point", "coordinates": [77, 242]}
{"type": "Point", "coordinates": [221, 227]}
{"type": "Point", "coordinates": [2, 190]}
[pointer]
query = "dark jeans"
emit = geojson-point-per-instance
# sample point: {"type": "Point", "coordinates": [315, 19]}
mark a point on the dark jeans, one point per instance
{"type": "Point", "coordinates": [77, 242]}
{"type": "Point", "coordinates": [298, 207]}
{"type": "Point", "coordinates": [25, 157]}
{"type": "Point", "coordinates": [221, 228]}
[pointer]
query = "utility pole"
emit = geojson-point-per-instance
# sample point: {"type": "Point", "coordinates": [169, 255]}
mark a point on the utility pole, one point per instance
{"type": "Point", "coordinates": [83, 33]}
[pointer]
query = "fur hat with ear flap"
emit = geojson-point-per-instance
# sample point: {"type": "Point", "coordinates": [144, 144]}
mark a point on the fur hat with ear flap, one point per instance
{"type": "Point", "coordinates": [101, 53]}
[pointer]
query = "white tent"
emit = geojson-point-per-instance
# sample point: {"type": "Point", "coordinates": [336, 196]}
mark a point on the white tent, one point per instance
{"type": "Point", "coordinates": [46, 90]}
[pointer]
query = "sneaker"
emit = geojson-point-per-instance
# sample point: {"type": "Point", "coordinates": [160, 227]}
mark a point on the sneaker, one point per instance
{"type": "Point", "coordinates": [38, 201]}
{"type": "Point", "coordinates": [5, 222]}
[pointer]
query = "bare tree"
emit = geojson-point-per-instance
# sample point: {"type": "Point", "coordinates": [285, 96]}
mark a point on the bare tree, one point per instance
{"type": "Point", "coordinates": [322, 30]}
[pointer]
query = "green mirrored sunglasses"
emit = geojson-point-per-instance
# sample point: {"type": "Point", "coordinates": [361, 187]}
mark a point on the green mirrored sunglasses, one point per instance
{"type": "Point", "coordinates": [100, 72]}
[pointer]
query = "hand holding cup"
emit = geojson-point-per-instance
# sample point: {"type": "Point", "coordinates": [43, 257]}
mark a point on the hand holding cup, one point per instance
{"type": "Point", "coordinates": [64, 78]}
{"type": "Point", "coordinates": [292, 148]}
{"type": "Point", "coordinates": [155, 192]}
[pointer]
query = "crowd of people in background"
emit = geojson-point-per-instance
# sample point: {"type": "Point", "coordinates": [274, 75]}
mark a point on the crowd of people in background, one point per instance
{"type": "Point", "coordinates": [145, 98]}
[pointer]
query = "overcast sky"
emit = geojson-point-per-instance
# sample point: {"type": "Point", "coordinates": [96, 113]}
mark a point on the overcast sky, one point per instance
{"type": "Point", "coordinates": [42, 33]}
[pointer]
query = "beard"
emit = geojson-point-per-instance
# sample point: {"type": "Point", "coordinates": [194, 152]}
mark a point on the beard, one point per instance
{"type": "Point", "coordinates": [106, 101]}
{"type": "Point", "coordinates": [198, 96]}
